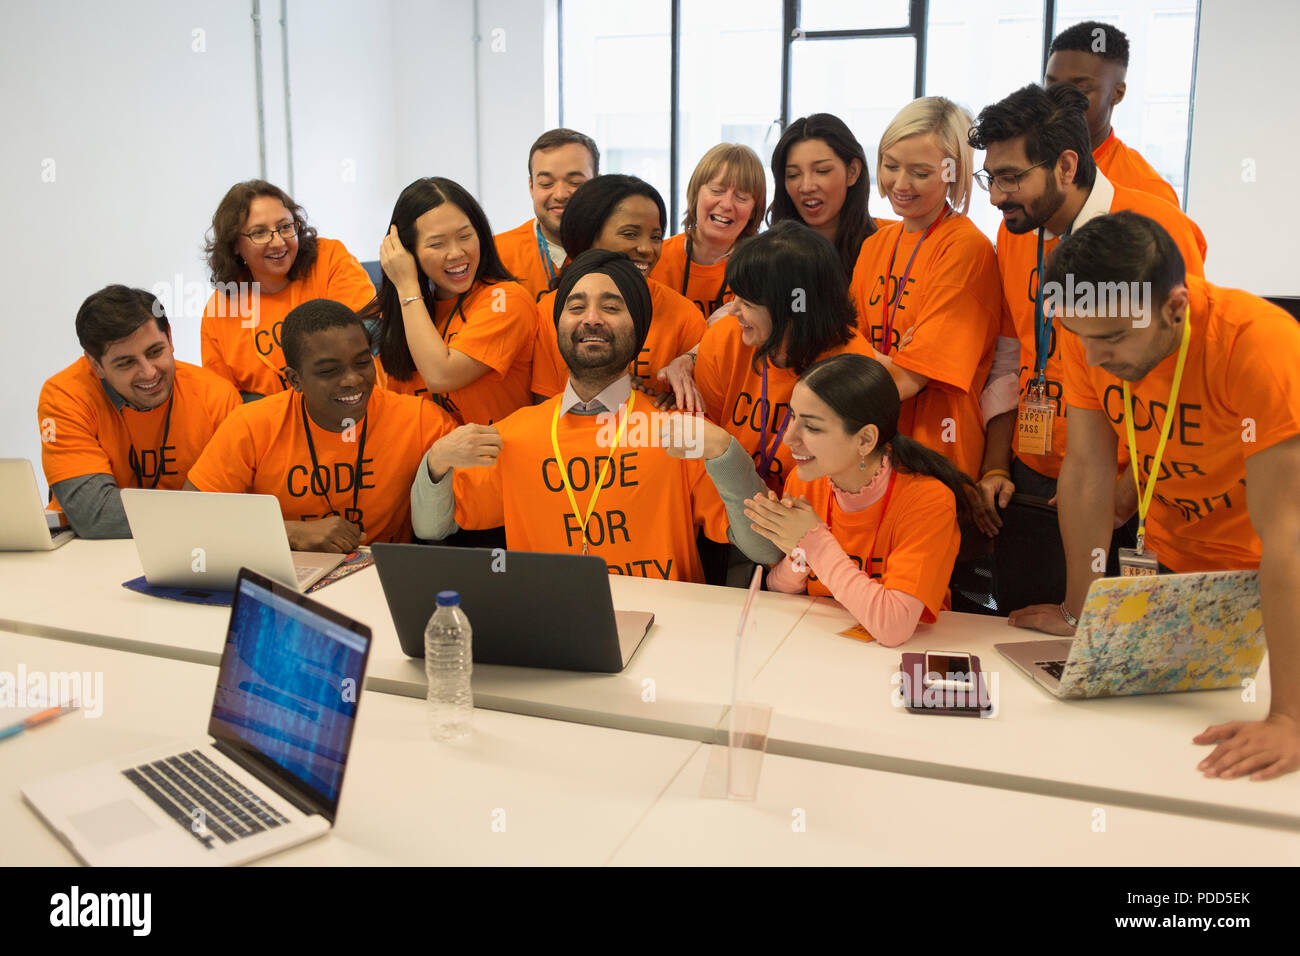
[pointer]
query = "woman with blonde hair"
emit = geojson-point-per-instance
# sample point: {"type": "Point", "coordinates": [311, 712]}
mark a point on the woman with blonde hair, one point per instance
{"type": "Point", "coordinates": [934, 274]}
{"type": "Point", "coordinates": [725, 199]}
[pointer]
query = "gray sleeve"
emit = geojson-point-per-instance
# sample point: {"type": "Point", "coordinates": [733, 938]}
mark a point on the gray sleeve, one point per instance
{"type": "Point", "coordinates": [433, 505]}
{"type": "Point", "coordinates": [734, 476]}
{"type": "Point", "coordinates": [93, 505]}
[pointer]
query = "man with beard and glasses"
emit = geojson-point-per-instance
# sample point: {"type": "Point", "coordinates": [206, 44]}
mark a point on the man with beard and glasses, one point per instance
{"type": "Point", "coordinates": [596, 469]}
{"type": "Point", "coordinates": [1202, 385]}
{"type": "Point", "coordinates": [1040, 173]}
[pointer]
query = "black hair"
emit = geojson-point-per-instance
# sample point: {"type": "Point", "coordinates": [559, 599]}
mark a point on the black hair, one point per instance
{"type": "Point", "coordinates": [555, 138]}
{"type": "Point", "coordinates": [1092, 36]}
{"type": "Point", "coordinates": [855, 223]}
{"type": "Point", "coordinates": [594, 202]}
{"type": "Point", "coordinates": [314, 315]}
{"type": "Point", "coordinates": [113, 313]}
{"type": "Point", "coordinates": [1123, 247]}
{"type": "Point", "coordinates": [417, 199]}
{"type": "Point", "coordinates": [1051, 121]}
{"type": "Point", "coordinates": [631, 285]}
{"type": "Point", "coordinates": [792, 271]}
{"type": "Point", "coordinates": [861, 392]}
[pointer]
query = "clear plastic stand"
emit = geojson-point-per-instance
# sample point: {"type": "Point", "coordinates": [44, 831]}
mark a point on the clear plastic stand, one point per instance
{"type": "Point", "coordinates": [733, 771]}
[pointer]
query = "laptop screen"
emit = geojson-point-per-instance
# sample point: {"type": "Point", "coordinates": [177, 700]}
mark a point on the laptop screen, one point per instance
{"type": "Point", "coordinates": [290, 678]}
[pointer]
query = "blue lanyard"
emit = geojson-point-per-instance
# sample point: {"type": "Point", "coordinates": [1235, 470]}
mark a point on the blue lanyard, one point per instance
{"type": "Point", "coordinates": [766, 454]}
{"type": "Point", "coordinates": [1042, 319]}
{"type": "Point", "coordinates": [544, 250]}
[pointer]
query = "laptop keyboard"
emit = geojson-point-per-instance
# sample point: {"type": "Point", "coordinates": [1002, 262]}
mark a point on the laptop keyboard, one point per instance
{"type": "Point", "coordinates": [1055, 668]}
{"type": "Point", "coordinates": [209, 803]}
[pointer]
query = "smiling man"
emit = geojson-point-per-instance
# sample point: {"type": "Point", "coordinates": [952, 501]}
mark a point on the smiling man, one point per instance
{"type": "Point", "coordinates": [559, 162]}
{"type": "Point", "coordinates": [126, 414]}
{"type": "Point", "coordinates": [338, 453]}
{"type": "Point", "coordinates": [583, 472]}
{"type": "Point", "coordinates": [1210, 380]}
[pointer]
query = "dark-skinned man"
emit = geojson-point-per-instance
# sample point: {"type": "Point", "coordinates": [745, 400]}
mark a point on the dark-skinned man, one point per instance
{"type": "Point", "coordinates": [338, 453]}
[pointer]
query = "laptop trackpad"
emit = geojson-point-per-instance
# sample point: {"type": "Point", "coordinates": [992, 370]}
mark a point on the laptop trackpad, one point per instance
{"type": "Point", "coordinates": [112, 823]}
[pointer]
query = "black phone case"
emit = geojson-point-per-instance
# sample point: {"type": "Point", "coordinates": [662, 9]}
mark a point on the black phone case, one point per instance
{"type": "Point", "coordinates": [913, 687]}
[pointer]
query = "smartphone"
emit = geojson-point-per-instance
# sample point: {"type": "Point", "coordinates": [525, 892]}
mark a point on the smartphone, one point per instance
{"type": "Point", "coordinates": [949, 670]}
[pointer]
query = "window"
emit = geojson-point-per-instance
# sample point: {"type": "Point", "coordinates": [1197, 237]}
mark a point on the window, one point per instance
{"type": "Point", "coordinates": [740, 69]}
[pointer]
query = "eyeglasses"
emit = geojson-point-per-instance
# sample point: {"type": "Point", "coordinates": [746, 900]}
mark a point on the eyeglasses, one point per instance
{"type": "Point", "coordinates": [261, 235]}
{"type": "Point", "coordinates": [1006, 182]}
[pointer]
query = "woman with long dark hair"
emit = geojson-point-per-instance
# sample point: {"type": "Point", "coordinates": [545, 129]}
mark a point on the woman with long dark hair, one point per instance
{"type": "Point", "coordinates": [454, 324]}
{"type": "Point", "coordinates": [869, 517]}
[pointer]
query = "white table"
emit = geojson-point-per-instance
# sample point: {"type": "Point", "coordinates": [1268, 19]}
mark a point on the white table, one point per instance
{"type": "Point", "coordinates": [833, 702]}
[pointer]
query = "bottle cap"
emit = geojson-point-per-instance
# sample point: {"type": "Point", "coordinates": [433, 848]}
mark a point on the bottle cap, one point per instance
{"type": "Point", "coordinates": [448, 598]}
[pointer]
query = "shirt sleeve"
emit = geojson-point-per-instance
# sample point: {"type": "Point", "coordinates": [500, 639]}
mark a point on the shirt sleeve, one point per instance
{"type": "Point", "coordinates": [889, 615]}
{"type": "Point", "coordinates": [70, 445]}
{"type": "Point", "coordinates": [709, 374]}
{"type": "Point", "coordinates": [549, 371]}
{"type": "Point", "coordinates": [786, 579]}
{"type": "Point", "coordinates": [735, 479]}
{"type": "Point", "coordinates": [347, 281]}
{"type": "Point", "coordinates": [210, 344]}
{"type": "Point", "coordinates": [479, 501]}
{"type": "Point", "coordinates": [432, 504]}
{"type": "Point", "coordinates": [691, 329]}
{"type": "Point", "coordinates": [924, 548]}
{"type": "Point", "coordinates": [1002, 390]}
{"type": "Point", "coordinates": [503, 326]}
{"type": "Point", "coordinates": [229, 462]}
{"type": "Point", "coordinates": [93, 505]}
{"type": "Point", "coordinates": [1261, 380]}
{"type": "Point", "coordinates": [1076, 383]}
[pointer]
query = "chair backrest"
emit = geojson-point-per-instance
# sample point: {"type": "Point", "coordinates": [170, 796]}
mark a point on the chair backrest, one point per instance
{"type": "Point", "coordinates": [1028, 557]}
{"type": "Point", "coordinates": [375, 271]}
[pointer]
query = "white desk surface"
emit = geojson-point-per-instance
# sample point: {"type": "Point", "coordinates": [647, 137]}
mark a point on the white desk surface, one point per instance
{"type": "Point", "coordinates": [832, 701]}
{"type": "Point", "coordinates": [573, 794]}
{"type": "Point", "coordinates": [570, 793]}
{"type": "Point", "coordinates": [678, 683]}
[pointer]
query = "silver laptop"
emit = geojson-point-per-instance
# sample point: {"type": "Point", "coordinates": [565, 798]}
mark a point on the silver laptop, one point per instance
{"type": "Point", "coordinates": [1156, 634]}
{"type": "Point", "coordinates": [269, 774]}
{"type": "Point", "coordinates": [25, 525]}
{"type": "Point", "coordinates": [199, 539]}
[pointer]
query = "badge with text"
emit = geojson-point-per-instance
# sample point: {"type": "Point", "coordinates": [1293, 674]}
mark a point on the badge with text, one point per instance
{"type": "Point", "coordinates": [1136, 563]}
{"type": "Point", "coordinates": [1035, 426]}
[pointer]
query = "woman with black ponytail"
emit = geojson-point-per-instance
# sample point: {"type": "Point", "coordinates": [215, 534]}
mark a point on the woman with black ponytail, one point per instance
{"type": "Point", "coordinates": [862, 499]}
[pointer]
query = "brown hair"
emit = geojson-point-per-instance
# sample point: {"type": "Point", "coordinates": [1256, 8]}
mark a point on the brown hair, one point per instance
{"type": "Point", "coordinates": [744, 171]}
{"type": "Point", "coordinates": [224, 261]}
{"type": "Point", "coordinates": [555, 138]}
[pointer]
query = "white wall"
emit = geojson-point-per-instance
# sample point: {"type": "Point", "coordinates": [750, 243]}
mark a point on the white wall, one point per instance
{"type": "Point", "coordinates": [1245, 137]}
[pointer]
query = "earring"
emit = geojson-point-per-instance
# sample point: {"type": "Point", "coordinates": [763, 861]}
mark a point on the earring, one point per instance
{"type": "Point", "coordinates": [862, 465]}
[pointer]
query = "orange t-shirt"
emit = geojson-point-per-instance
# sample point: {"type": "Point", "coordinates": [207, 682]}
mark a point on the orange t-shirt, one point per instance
{"type": "Point", "coordinates": [1017, 257]}
{"type": "Point", "coordinates": [1240, 394]}
{"type": "Point", "coordinates": [262, 449]}
{"type": "Point", "coordinates": [649, 508]}
{"type": "Point", "coordinates": [522, 256]}
{"type": "Point", "coordinates": [497, 325]}
{"type": "Point", "coordinates": [952, 300]}
{"type": "Point", "coordinates": [1125, 166]}
{"type": "Point", "coordinates": [84, 434]}
{"type": "Point", "coordinates": [725, 376]}
{"type": "Point", "coordinates": [241, 339]}
{"type": "Point", "coordinates": [915, 540]}
{"type": "Point", "coordinates": [675, 327]}
{"type": "Point", "coordinates": [705, 286]}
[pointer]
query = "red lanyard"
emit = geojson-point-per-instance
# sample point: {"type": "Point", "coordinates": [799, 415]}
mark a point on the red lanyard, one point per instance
{"type": "Point", "coordinates": [871, 555]}
{"type": "Point", "coordinates": [887, 322]}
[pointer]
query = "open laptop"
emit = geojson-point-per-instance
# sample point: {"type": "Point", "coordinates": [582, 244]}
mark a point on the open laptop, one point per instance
{"type": "Point", "coordinates": [526, 609]}
{"type": "Point", "coordinates": [1156, 634]}
{"type": "Point", "coordinates": [270, 773]}
{"type": "Point", "coordinates": [199, 539]}
{"type": "Point", "coordinates": [25, 525]}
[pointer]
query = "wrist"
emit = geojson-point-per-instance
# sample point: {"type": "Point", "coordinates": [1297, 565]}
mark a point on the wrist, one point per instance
{"type": "Point", "coordinates": [998, 472]}
{"type": "Point", "coordinates": [407, 293]}
{"type": "Point", "coordinates": [1069, 618]}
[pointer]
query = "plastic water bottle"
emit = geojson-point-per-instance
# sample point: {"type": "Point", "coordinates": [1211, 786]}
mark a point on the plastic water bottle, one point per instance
{"type": "Point", "coordinates": [448, 663]}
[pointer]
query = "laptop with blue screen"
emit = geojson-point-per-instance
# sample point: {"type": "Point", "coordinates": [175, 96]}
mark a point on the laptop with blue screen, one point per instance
{"type": "Point", "coordinates": [270, 772]}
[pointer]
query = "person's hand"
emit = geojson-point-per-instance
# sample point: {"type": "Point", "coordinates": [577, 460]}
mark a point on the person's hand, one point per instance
{"type": "Point", "coordinates": [691, 436]}
{"type": "Point", "coordinates": [679, 376]}
{"type": "Point", "coordinates": [983, 510]}
{"type": "Point", "coordinates": [399, 265]}
{"type": "Point", "coordinates": [1264, 748]}
{"type": "Point", "coordinates": [333, 533]}
{"type": "Point", "coordinates": [722, 311]}
{"type": "Point", "coordinates": [469, 446]}
{"type": "Point", "coordinates": [783, 521]}
{"type": "Point", "coordinates": [905, 338]}
{"type": "Point", "coordinates": [1126, 496]}
{"type": "Point", "coordinates": [987, 497]}
{"type": "Point", "coordinates": [1048, 618]}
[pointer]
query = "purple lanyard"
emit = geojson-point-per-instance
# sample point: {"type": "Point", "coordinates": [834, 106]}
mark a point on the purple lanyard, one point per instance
{"type": "Point", "coordinates": [766, 454]}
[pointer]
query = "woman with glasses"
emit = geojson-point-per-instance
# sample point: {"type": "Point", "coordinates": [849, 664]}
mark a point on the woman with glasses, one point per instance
{"type": "Point", "coordinates": [265, 260]}
{"type": "Point", "coordinates": [933, 273]}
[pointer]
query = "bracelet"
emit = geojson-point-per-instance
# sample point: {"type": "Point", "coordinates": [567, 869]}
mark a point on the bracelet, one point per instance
{"type": "Point", "coordinates": [1070, 619]}
{"type": "Point", "coordinates": [996, 471]}
{"type": "Point", "coordinates": [694, 357]}
{"type": "Point", "coordinates": [409, 299]}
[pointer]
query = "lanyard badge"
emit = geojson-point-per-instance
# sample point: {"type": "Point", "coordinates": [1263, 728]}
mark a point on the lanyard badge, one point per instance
{"type": "Point", "coordinates": [1037, 412]}
{"type": "Point", "coordinates": [1136, 562]}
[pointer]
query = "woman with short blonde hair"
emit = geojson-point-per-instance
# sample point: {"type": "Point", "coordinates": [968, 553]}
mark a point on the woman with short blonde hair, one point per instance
{"type": "Point", "coordinates": [949, 124]}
